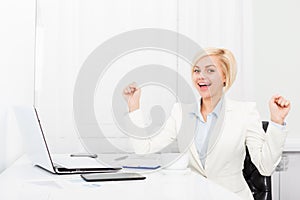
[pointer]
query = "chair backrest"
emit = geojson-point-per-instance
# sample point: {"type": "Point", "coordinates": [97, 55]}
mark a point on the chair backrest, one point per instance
{"type": "Point", "coordinates": [259, 185]}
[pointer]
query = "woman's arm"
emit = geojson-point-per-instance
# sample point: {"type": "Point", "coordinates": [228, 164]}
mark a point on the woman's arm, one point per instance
{"type": "Point", "coordinates": [266, 148]}
{"type": "Point", "coordinates": [157, 142]}
{"type": "Point", "coordinates": [167, 134]}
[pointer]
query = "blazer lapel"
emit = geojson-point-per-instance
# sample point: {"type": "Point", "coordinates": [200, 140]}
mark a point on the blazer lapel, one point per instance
{"type": "Point", "coordinates": [195, 156]}
{"type": "Point", "coordinates": [215, 136]}
{"type": "Point", "coordinates": [217, 130]}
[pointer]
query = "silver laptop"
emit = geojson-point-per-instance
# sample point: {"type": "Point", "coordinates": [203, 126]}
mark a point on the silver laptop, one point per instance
{"type": "Point", "coordinates": [38, 151]}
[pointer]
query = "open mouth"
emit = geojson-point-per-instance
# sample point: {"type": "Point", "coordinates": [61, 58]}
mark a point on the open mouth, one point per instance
{"type": "Point", "coordinates": [204, 85]}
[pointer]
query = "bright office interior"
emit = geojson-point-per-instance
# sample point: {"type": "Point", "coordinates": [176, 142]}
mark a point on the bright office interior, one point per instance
{"type": "Point", "coordinates": [42, 49]}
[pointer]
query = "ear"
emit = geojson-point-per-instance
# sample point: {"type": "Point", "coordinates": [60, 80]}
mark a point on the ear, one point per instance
{"type": "Point", "coordinates": [224, 79]}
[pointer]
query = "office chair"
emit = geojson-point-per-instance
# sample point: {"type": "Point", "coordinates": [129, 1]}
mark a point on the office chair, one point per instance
{"type": "Point", "coordinates": [259, 185]}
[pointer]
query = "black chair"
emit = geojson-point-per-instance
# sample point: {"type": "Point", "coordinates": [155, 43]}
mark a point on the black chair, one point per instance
{"type": "Point", "coordinates": [259, 185]}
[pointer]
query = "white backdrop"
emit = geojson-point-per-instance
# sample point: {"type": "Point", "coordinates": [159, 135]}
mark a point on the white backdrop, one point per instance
{"type": "Point", "coordinates": [276, 56]}
{"type": "Point", "coordinates": [67, 31]}
{"type": "Point", "coordinates": [16, 72]}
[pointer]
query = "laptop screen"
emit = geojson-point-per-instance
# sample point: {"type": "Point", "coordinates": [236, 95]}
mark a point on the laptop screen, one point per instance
{"type": "Point", "coordinates": [33, 137]}
{"type": "Point", "coordinates": [38, 151]}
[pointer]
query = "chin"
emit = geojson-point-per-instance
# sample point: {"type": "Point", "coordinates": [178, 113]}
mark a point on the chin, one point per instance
{"type": "Point", "coordinates": [204, 95]}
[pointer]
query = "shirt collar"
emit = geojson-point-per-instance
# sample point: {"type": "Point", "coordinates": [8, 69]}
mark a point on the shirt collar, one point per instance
{"type": "Point", "coordinates": [216, 111]}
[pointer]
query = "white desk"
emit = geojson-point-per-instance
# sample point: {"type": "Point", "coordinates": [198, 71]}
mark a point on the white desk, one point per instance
{"type": "Point", "coordinates": [23, 181]}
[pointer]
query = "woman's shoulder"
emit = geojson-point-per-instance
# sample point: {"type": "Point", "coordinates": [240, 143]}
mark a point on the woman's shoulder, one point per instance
{"type": "Point", "coordinates": [236, 104]}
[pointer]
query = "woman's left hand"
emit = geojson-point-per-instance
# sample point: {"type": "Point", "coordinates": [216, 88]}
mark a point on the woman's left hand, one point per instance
{"type": "Point", "coordinates": [279, 109]}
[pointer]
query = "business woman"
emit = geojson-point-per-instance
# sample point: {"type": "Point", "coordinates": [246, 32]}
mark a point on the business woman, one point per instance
{"type": "Point", "coordinates": [223, 127]}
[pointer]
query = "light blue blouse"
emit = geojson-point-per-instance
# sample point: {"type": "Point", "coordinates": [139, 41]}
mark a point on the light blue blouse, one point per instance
{"type": "Point", "coordinates": [204, 129]}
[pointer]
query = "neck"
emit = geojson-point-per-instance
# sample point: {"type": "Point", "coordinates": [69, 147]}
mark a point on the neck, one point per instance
{"type": "Point", "coordinates": [209, 104]}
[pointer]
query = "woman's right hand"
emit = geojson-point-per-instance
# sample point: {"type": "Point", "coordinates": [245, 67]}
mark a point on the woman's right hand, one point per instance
{"type": "Point", "coordinates": [132, 94]}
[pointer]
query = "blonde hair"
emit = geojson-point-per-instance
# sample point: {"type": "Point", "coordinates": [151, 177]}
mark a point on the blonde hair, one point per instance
{"type": "Point", "coordinates": [228, 63]}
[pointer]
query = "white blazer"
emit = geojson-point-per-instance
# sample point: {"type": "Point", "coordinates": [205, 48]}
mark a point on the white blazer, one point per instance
{"type": "Point", "coordinates": [239, 126]}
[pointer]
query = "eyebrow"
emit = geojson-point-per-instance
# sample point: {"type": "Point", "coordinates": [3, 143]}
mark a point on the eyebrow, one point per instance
{"type": "Point", "coordinates": [206, 66]}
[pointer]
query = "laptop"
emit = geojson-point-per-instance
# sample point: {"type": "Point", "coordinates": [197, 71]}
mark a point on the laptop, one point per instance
{"type": "Point", "coordinates": [38, 151]}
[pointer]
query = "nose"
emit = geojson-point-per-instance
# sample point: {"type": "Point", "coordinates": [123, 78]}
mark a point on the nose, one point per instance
{"type": "Point", "coordinates": [201, 75]}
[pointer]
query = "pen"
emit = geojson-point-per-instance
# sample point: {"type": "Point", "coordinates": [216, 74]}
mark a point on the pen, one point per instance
{"type": "Point", "coordinates": [121, 158]}
{"type": "Point", "coordinates": [84, 155]}
{"type": "Point", "coordinates": [141, 167]}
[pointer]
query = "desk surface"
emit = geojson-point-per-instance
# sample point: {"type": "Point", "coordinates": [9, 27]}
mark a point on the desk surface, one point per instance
{"type": "Point", "coordinates": [24, 181]}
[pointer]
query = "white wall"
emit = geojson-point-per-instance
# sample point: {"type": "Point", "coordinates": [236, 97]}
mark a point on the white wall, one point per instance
{"type": "Point", "coordinates": [276, 41]}
{"type": "Point", "coordinates": [16, 71]}
{"type": "Point", "coordinates": [68, 31]}
{"type": "Point", "coordinates": [276, 55]}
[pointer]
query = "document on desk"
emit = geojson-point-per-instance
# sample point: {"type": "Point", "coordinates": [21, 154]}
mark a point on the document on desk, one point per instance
{"type": "Point", "coordinates": [133, 161]}
{"type": "Point", "coordinates": [141, 162]}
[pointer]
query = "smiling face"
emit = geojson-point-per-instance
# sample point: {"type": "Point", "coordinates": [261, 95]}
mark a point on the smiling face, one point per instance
{"type": "Point", "coordinates": [208, 77]}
